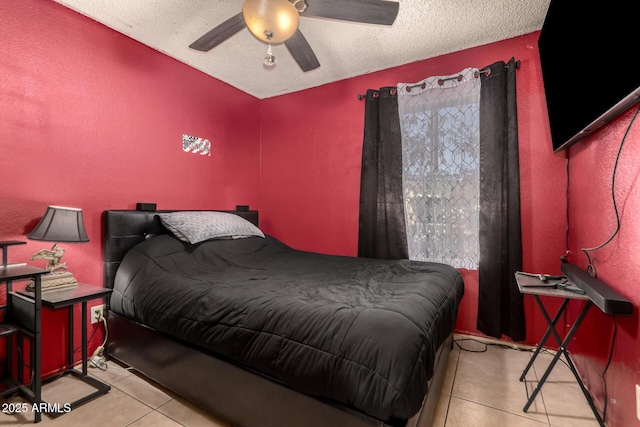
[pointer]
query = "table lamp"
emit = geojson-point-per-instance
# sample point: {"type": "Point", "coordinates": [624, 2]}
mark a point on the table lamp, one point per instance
{"type": "Point", "coordinates": [59, 224]}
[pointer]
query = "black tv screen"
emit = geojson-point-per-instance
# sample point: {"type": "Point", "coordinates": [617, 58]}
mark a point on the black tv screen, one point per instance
{"type": "Point", "coordinates": [588, 55]}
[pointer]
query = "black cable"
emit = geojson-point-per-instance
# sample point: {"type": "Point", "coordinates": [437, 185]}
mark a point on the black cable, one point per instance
{"type": "Point", "coordinates": [606, 368]}
{"type": "Point", "coordinates": [458, 341]}
{"type": "Point", "coordinates": [591, 269]}
{"type": "Point", "coordinates": [21, 356]}
{"type": "Point", "coordinates": [93, 334]}
{"type": "Point", "coordinates": [505, 346]}
{"type": "Point", "coordinates": [566, 231]}
{"type": "Point", "coordinates": [486, 345]}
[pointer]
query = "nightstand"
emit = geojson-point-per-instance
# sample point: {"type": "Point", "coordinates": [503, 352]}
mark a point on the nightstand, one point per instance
{"type": "Point", "coordinates": [8, 274]}
{"type": "Point", "coordinates": [67, 298]}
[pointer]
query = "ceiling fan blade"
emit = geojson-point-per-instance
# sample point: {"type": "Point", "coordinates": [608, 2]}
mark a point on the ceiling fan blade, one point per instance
{"type": "Point", "coordinates": [367, 11]}
{"type": "Point", "coordinates": [301, 51]}
{"type": "Point", "coordinates": [219, 34]}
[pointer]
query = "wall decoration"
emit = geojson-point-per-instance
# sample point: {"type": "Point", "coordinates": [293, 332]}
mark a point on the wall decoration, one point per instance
{"type": "Point", "coordinates": [195, 145]}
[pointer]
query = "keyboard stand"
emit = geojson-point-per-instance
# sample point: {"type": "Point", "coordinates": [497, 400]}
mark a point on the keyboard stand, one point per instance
{"type": "Point", "coordinates": [525, 287]}
{"type": "Point", "coordinates": [590, 290]}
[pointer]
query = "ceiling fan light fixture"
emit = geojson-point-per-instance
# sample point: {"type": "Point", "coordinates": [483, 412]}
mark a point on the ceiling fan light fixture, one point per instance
{"type": "Point", "coordinates": [276, 17]}
{"type": "Point", "coordinates": [270, 59]}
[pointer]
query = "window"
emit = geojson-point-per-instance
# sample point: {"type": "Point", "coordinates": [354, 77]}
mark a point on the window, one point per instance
{"type": "Point", "coordinates": [440, 145]}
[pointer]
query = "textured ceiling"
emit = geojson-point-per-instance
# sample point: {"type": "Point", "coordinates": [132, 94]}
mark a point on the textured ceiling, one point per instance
{"type": "Point", "coordinates": [423, 29]}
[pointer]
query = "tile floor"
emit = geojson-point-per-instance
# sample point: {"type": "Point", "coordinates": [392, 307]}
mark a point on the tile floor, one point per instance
{"type": "Point", "coordinates": [483, 389]}
{"type": "Point", "coordinates": [480, 389]}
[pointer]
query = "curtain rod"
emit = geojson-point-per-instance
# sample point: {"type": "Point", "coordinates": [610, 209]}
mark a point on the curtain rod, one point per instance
{"type": "Point", "coordinates": [484, 71]}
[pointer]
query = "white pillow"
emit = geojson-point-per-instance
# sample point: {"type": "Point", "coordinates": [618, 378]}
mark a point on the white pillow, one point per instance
{"type": "Point", "coordinates": [198, 226]}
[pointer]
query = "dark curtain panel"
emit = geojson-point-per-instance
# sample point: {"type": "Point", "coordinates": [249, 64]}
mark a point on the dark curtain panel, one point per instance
{"type": "Point", "coordinates": [500, 304]}
{"type": "Point", "coordinates": [382, 231]}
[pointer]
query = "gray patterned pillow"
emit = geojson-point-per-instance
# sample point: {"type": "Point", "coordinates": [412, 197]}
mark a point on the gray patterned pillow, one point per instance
{"type": "Point", "coordinates": [198, 226]}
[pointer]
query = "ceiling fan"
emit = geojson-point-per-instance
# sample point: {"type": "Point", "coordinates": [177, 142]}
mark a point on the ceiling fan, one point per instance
{"type": "Point", "coordinates": [276, 21]}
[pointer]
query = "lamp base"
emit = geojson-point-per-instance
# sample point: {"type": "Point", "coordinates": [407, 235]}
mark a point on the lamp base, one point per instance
{"type": "Point", "coordinates": [54, 281]}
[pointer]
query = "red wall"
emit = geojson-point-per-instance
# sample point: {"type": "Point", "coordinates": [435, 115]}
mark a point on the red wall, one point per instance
{"type": "Point", "coordinates": [592, 221]}
{"type": "Point", "coordinates": [90, 118]}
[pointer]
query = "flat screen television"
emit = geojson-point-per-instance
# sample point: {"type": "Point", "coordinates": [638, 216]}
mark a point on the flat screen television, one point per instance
{"type": "Point", "coordinates": [588, 54]}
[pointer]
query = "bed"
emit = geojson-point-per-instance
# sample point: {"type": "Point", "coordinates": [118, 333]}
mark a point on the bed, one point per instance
{"type": "Point", "coordinates": [261, 334]}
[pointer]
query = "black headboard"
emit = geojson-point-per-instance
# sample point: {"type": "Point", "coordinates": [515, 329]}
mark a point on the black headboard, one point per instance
{"type": "Point", "coordinates": [123, 229]}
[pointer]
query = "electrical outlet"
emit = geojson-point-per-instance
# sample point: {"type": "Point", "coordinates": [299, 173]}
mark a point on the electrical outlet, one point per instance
{"type": "Point", "coordinates": [96, 313]}
{"type": "Point", "coordinates": [638, 401]}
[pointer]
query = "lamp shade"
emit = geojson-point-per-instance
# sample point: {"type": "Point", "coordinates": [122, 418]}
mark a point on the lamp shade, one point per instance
{"type": "Point", "coordinates": [277, 18]}
{"type": "Point", "coordinates": [60, 224]}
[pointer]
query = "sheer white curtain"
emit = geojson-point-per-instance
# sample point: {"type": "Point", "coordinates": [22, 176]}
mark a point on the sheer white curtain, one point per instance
{"type": "Point", "coordinates": [439, 120]}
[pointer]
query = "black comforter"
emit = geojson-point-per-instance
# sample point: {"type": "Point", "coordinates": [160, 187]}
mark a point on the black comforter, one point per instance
{"type": "Point", "coordinates": [358, 331]}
